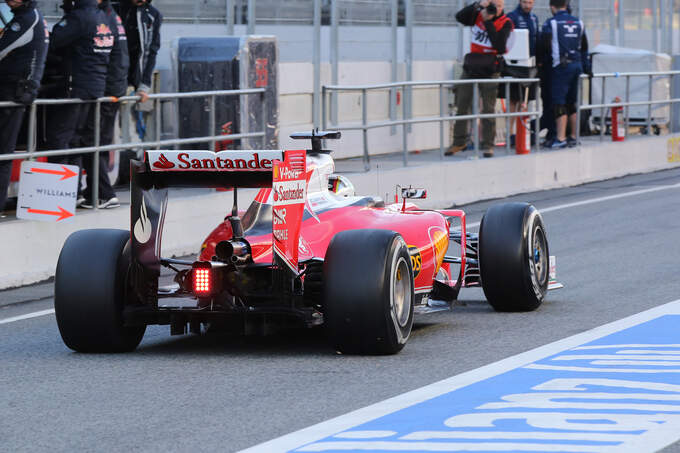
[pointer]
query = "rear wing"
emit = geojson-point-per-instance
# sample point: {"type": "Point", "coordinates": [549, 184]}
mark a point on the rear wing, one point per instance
{"type": "Point", "coordinates": [283, 171]}
{"type": "Point", "coordinates": [225, 169]}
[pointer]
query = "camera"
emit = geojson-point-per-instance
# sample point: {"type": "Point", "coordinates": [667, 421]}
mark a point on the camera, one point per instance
{"type": "Point", "coordinates": [491, 9]}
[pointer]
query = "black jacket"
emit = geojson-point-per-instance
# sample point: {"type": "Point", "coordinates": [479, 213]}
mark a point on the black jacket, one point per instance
{"type": "Point", "coordinates": [84, 39]}
{"type": "Point", "coordinates": [119, 63]}
{"type": "Point", "coordinates": [143, 27]}
{"type": "Point", "coordinates": [23, 48]}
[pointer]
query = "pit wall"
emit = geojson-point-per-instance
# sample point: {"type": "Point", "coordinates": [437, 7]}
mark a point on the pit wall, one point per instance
{"type": "Point", "coordinates": [30, 249]}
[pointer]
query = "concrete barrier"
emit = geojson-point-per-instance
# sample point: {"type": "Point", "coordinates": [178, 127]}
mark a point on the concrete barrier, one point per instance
{"type": "Point", "coordinates": [30, 249]}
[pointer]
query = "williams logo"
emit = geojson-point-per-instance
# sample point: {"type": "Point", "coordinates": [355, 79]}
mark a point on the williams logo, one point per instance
{"type": "Point", "coordinates": [143, 227]}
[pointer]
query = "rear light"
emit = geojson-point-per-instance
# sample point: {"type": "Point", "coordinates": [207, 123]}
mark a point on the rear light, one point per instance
{"type": "Point", "coordinates": [203, 279]}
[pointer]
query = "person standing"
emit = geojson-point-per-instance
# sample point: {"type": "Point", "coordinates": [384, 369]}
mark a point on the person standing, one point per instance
{"type": "Point", "coordinates": [523, 19]}
{"type": "Point", "coordinates": [564, 37]}
{"type": "Point", "coordinates": [116, 86]}
{"type": "Point", "coordinates": [23, 49]}
{"type": "Point", "coordinates": [142, 24]}
{"type": "Point", "coordinates": [488, 39]}
{"type": "Point", "coordinates": [83, 41]}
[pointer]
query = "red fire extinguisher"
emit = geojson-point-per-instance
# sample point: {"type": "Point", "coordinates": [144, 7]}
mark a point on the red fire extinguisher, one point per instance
{"type": "Point", "coordinates": [523, 132]}
{"type": "Point", "coordinates": [618, 128]}
{"type": "Point", "coordinates": [224, 145]}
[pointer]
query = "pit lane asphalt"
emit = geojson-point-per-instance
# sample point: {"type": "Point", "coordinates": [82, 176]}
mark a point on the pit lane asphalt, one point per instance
{"type": "Point", "coordinates": [615, 257]}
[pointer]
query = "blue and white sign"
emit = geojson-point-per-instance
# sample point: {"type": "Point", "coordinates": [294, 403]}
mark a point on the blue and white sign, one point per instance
{"type": "Point", "coordinates": [615, 388]}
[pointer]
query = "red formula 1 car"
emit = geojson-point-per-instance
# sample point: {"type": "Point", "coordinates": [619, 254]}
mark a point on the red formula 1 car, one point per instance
{"type": "Point", "coordinates": [307, 252]}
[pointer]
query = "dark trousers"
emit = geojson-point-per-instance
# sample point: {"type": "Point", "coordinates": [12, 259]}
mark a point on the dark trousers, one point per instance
{"type": "Point", "coordinates": [10, 123]}
{"type": "Point", "coordinates": [464, 100]}
{"type": "Point", "coordinates": [62, 123]}
{"type": "Point", "coordinates": [109, 110]}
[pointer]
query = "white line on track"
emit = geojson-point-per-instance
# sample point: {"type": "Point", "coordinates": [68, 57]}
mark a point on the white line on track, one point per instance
{"type": "Point", "coordinates": [470, 225]}
{"type": "Point", "coordinates": [27, 316]}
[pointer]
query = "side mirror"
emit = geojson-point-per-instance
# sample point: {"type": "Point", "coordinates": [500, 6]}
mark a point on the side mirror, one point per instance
{"type": "Point", "coordinates": [413, 193]}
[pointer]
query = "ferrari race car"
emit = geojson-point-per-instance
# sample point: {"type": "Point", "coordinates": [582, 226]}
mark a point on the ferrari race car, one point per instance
{"type": "Point", "coordinates": [307, 252]}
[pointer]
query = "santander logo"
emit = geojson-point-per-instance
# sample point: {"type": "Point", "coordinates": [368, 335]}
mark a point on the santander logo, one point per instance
{"type": "Point", "coordinates": [163, 163]}
{"type": "Point", "coordinates": [210, 161]}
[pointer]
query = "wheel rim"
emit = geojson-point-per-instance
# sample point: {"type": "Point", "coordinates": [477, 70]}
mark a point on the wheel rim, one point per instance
{"type": "Point", "coordinates": [539, 255]}
{"type": "Point", "coordinates": [401, 292]}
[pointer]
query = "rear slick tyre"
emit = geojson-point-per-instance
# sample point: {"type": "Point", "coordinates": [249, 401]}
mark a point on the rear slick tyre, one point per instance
{"type": "Point", "coordinates": [513, 257]}
{"type": "Point", "coordinates": [368, 294]}
{"type": "Point", "coordinates": [89, 292]}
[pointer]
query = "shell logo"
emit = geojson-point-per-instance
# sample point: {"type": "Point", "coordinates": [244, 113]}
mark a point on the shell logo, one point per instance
{"type": "Point", "coordinates": [440, 242]}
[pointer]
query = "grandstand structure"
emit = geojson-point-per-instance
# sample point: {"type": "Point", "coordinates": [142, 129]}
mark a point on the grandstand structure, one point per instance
{"type": "Point", "coordinates": [643, 24]}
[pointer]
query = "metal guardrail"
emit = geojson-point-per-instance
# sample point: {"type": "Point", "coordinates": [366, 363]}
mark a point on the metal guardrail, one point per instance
{"type": "Point", "coordinates": [442, 85]}
{"type": "Point", "coordinates": [626, 103]}
{"type": "Point", "coordinates": [32, 153]}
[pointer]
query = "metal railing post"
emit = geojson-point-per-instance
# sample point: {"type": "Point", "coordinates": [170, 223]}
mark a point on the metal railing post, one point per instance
{"type": "Point", "coordinates": [335, 57]}
{"type": "Point", "coordinates": [577, 132]}
{"type": "Point", "coordinates": [95, 161]}
{"type": "Point", "coordinates": [157, 120]}
{"type": "Point", "coordinates": [441, 122]}
{"type": "Point", "coordinates": [265, 119]}
{"type": "Point", "coordinates": [251, 17]}
{"type": "Point", "coordinates": [32, 121]}
{"type": "Point", "coordinates": [649, 108]}
{"type": "Point", "coordinates": [537, 118]}
{"type": "Point", "coordinates": [212, 124]}
{"type": "Point", "coordinates": [475, 121]}
{"type": "Point", "coordinates": [394, 22]}
{"type": "Point", "coordinates": [626, 121]}
{"type": "Point", "coordinates": [324, 124]}
{"type": "Point", "coordinates": [508, 121]}
{"type": "Point", "coordinates": [230, 17]}
{"type": "Point", "coordinates": [404, 130]}
{"type": "Point", "coordinates": [316, 60]}
{"type": "Point", "coordinates": [408, 56]}
{"type": "Point", "coordinates": [603, 111]}
{"type": "Point", "coordinates": [364, 131]}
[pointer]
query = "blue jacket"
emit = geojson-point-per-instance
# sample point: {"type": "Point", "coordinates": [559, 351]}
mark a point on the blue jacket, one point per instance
{"type": "Point", "coordinates": [85, 40]}
{"type": "Point", "coordinates": [23, 48]}
{"type": "Point", "coordinates": [527, 21]}
{"type": "Point", "coordinates": [564, 39]}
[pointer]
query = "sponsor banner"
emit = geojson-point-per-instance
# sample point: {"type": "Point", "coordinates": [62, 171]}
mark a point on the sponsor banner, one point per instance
{"type": "Point", "coordinates": [209, 161]}
{"type": "Point", "coordinates": [615, 388]}
{"type": "Point", "coordinates": [289, 192]}
{"type": "Point", "coordinates": [47, 192]}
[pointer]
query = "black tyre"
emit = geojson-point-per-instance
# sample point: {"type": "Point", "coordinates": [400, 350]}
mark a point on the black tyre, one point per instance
{"type": "Point", "coordinates": [368, 292]}
{"type": "Point", "coordinates": [89, 292]}
{"type": "Point", "coordinates": [513, 257]}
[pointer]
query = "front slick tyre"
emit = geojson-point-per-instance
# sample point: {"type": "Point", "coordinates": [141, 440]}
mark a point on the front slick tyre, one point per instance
{"type": "Point", "coordinates": [89, 292]}
{"type": "Point", "coordinates": [368, 294]}
{"type": "Point", "coordinates": [513, 257]}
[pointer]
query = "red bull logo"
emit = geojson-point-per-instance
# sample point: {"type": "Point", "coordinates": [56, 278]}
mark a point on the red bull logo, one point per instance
{"type": "Point", "coordinates": [103, 29]}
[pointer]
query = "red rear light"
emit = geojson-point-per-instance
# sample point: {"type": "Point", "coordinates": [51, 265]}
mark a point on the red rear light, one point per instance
{"type": "Point", "coordinates": [203, 281]}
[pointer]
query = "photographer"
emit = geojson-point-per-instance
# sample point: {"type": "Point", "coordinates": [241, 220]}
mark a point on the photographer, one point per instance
{"type": "Point", "coordinates": [488, 39]}
{"type": "Point", "coordinates": [23, 47]}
